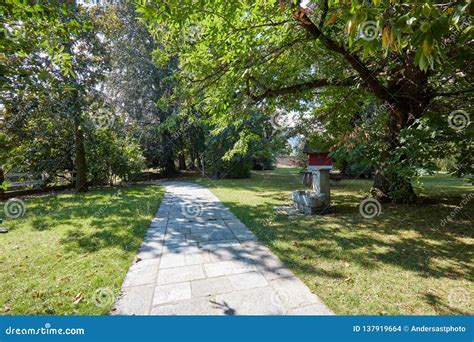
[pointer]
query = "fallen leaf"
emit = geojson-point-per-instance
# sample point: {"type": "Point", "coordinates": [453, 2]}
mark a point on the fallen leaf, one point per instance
{"type": "Point", "coordinates": [78, 298]}
{"type": "Point", "coordinates": [332, 19]}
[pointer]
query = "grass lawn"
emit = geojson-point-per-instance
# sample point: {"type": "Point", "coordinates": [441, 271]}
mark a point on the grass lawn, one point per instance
{"type": "Point", "coordinates": [69, 253]}
{"type": "Point", "coordinates": [402, 262]}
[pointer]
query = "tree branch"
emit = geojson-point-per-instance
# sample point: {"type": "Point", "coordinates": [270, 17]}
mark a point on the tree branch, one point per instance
{"type": "Point", "coordinates": [366, 75]}
{"type": "Point", "coordinates": [324, 13]}
{"type": "Point", "coordinates": [295, 88]}
{"type": "Point", "coordinates": [263, 25]}
{"type": "Point", "coordinates": [454, 93]}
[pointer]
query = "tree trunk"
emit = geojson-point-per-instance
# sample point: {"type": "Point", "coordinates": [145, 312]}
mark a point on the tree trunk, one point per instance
{"type": "Point", "coordinates": [192, 157]}
{"type": "Point", "coordinates": [389, 186]}
{"type": "Point", "coordinates": [413, 96]}
{"type": "Point", "coordinates": [169, 167]}
{"type": "Point", "coordinates": [181, 162]}
{"type": "Point", "coordinates": [203, 173]}
{"type": "Point", "coordinates": [2, 179]}
{"type": "Point", "coordinates": [80, 158]}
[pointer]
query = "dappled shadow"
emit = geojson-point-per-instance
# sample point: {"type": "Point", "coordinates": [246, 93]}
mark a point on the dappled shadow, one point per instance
{"type": "Point", "coordinates": [113, 217]}
{"type": "Point", "coordinates": [410, 237]}
{"type": "Point", "coordinates": [228, 311]}
{"type": "Point", "coordinates": [442, 309]}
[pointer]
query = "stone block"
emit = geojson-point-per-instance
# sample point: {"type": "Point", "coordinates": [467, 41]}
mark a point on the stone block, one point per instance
{"type": "Point", "coordinates": [257, 301]}
{"type": "Point", "coordinates": [198, 307]}
{"type": "Point", "coordinates": [135, 300]}
{"type": "Point", "coordinates": [172, 260]}
{"type": "Point", "coordinates": [142, 273]}
{"type": "Point", "coordinates": [228, 267]}
{"type": "Point", "coordinates": [172, 293]}
{"type": "Point", "coordinates": [210, 286]}
{"type": "Point", "coordinates": [247, 280]}
{"type": "Point", "coordinates": [180, 274]}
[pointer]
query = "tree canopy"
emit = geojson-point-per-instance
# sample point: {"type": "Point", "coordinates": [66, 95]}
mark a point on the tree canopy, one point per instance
{"type": "Point", "coordinates": [110, 90]}
{"type": "Point", "coordinates": [407, 57]}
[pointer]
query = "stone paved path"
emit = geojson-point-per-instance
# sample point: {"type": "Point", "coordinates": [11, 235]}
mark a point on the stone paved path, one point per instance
{"type": "Point", "coordinates": [199, 259]}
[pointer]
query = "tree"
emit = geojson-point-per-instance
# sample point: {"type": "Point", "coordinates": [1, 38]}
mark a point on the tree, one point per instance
{"type": "Point", "coordinates": [46, 54]}
{"type": "Point", "coordinates": [136, 87]}
{"type": "Point", "coordinates": [279, 54]}
{"type": "Point", "coordinates": [56, 117]}
{"type": "Point", "coordinates": [232, 151]}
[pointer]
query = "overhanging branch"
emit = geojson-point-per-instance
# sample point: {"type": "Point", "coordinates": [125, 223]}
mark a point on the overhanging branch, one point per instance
{"type": "Point", "coordinates": [367, 76]}
{"type": "Point", "coordinates": [454, 93]}
{"type": "Point", "coordinates": [296, 88]}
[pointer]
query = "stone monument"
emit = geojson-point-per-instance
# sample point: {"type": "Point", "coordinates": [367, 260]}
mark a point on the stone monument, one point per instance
{"type": "Point", "coordinates": [318, 200]}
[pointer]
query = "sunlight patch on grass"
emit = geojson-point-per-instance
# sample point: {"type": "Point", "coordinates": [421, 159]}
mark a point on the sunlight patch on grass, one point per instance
{"type": "Point", "coordinates": [68, 247]}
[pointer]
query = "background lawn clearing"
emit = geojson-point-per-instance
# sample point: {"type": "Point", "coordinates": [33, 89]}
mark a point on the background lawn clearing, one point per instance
{"type": "Point", "coordinates": [70, 252]}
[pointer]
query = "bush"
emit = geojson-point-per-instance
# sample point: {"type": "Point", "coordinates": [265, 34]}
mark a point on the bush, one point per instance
{"type": "Point", "coordinates": [263, 164]}
{"type": "Point", "coordinates": [237, 167]}
{"type": "Point", "coordinates": [111, 157]}
{"type": "Point", "coordinates": [357, 170]}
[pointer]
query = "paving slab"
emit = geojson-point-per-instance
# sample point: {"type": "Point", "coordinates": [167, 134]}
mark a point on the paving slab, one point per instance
{"type": "Point", "coordinates": [142, 273]}
{"type": "Point", "coordinates": [198, 258]}
{"type": "Point", "coordinates": [180, 274]}
{"type": "Point", "coordinates": [172, 293]}
{"type": "Point", "coordinates": [211, 286]}
{"type": "Point", "coordinates": [134, 300]}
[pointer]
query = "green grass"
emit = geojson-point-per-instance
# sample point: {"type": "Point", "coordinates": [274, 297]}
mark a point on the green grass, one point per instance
{"type": "Point", "coordinates": [402, 262]}
{"type": "Point", "coordinates": [69, 253]}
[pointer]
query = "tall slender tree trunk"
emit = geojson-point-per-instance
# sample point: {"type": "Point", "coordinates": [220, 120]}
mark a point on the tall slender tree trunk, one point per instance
{"type": "Point", "coordinates": [2, 179]}
{"type": "Point", "coordinates": [80, 158]}
{"type": "Point", "coordinates": [192, 158]}
{"type": "Point", "coordinates": [169, 168]}
{"type": "Point", "coordinates": [181, 161]}
{"type": "Point", "coordinates": [203, 172]}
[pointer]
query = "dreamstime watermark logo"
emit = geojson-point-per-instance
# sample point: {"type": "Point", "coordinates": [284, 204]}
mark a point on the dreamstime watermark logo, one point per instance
{"type": "Point", "coordinates": [46, 330]}
{"type": "Point", "coordinates": [280, 298]}
{"type": "Point", "coordinates": [12, 32]}
{"type": "Point", "coordinates": [103, 297]}
{"type": "Point", "coordinates": [458, 120]}
{"type": "Point", "coordinates": [192, 210]}
{"type": "Point", "coordinates": [378, 111]}
{"type": "Point", "coordinates": [459, 297]}
{"type": "Point", "coordinates": [384, 107]}
{"type": "Point", "coordinates": [369, 208]}
{"type": "Point", "coordinates": [102, 118]}
{"type": "Point", "coordinates": [369, 30]}
{"type": "Point", "coordinates": [457, 209]}
{"type": "Point", "coordinates": [102, 209]}
{"type": "Point", "coordinates": [279, 120]}
{"type": "Point", "coordinates": [455, 32]}
{"type": "Point", "coordinates": [14, 208]}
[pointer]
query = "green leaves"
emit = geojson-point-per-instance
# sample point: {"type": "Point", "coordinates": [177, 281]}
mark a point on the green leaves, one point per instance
{"type": "Point", "coordinates": [404, 28]}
